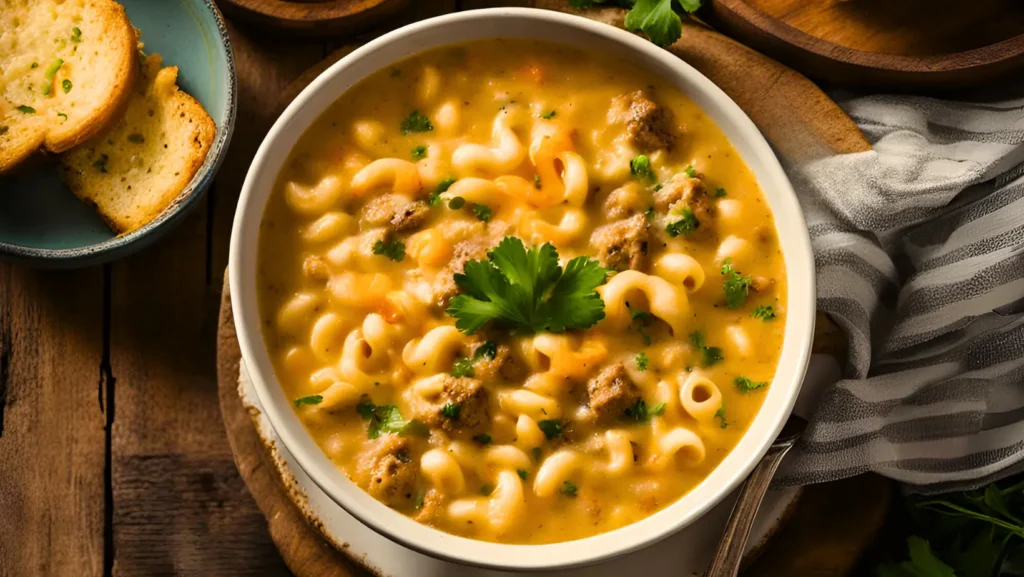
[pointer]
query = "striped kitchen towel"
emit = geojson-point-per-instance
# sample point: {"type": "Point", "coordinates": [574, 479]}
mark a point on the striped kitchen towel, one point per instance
{"type": "Point", "coordinates": [919, 253]}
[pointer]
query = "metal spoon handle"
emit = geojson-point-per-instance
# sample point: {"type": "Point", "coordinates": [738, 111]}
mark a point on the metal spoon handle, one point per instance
{"type": "Point", "coordinates": [726, 562]}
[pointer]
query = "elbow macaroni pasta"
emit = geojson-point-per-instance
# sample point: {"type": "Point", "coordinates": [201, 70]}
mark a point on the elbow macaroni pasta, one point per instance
{"type": "Point", "coordinates": [518, 437]}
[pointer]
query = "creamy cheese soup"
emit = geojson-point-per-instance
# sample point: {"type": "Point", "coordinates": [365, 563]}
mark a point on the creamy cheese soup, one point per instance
{"type": "Point", "coordinates": [521, 292]}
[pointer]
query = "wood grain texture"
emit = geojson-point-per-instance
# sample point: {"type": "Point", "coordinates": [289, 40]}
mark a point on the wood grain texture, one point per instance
{"type": "Point", "coordinates": [318, 18]}
{"type": "Point", "coordinates": [809, 125]}
{"type": "Point", "coordinates": [51, 423]}
{"type": "Point", "coordinates": [909, 44]}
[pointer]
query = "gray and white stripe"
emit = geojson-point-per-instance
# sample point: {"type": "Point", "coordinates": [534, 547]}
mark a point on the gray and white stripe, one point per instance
{"type": "Point", "coordinates": [919, 250]}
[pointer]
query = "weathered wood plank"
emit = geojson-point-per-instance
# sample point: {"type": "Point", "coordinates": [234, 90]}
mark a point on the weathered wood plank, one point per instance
{"type": "Point", "coordinates": [180, 506]}
{"type": "Point", "coordinates": [51, 422]}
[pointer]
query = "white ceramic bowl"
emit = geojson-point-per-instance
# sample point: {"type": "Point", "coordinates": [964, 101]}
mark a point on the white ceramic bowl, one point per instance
{"type": "Point", "coordinates": [580, 32]}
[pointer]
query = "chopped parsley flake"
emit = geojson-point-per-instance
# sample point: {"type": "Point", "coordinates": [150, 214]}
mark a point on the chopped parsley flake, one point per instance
{"type": "Point", "coordinates": [25, 109]}
{"type": "Point", "coordinates": [709, 355]}
{"type": "Point", "coordinates": [736, 285]}
{"type": "Point", "coordinates": [66, 85]}
{"type": "Point", "coordinates": [443, 186]}
{"type": "Point", "coordinates": [463, 368]}
{"type": "Point", "coordinates": [720, 415]}
{"type": "Point", "coordinates": [51, 70]}
{"type": "Point", "coordinates": [536, 181]}
{"type": "Point", "coordinates": [101, 163]}
{"type": "Point", "coordinates": [388, 419]}
{"type": "Point", "coordinates": [483, 212]}
{"type": "Point", "coordinates": [640, 166]}
{"type": "Point", "coordinates": [489, 349]}
{"type": "Point", "coordinates": [744, 384]}
{"type": "Point", "coordinates": [62, 115]}
{"type": "Point", "coordinates": [551, 428]}
{"type": "Point", "coordinates": [394, 249]}
{"type": "Point", "coordinates": [522, 474]}
{"type": "Point", "coordinates": [719, 192]}
{"type": "Point", "coordinates": [685, 226]}
{"type": "Point", "coordinates": [76, 34]}
{"type": "Point", "coordinates": [419, 153]}
{"type": "Point", "coordinates": [35, 65]}
{"type": "Point", "coordinates": [568, 489]}
{"type": "Point", "coordinates": [415, 122]}
{"type": "Point", "coordinates": [310, 400]}
{"type": "Point", "coordinates": [548, 115]}
{"type": "Point", "coordinates": [483, 439]}
{"type": "Point", "coordinates": [642, 361]}
{"type": "Point", "coordinates": [456, 203]}
{"type": "Point", "coordinates": [690, 171]}
{"type": "Point", "coordinates": [451, 411]}
{"type": "Point", "coordinates": [649, 213]}
{"type": "Point", "coordinates": [765, 313]}
{"type": "Point", "coordinates": [528, 290]}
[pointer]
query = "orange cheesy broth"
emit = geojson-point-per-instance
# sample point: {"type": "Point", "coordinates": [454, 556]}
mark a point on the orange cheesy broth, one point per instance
{"type": "Point", "coordinates": [565, 94]}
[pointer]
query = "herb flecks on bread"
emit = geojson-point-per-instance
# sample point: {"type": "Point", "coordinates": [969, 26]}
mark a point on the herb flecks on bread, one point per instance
{"type": "Point", "coordinates": [66, 72]}
{"type": "Point", "coordinates": [137, 168]}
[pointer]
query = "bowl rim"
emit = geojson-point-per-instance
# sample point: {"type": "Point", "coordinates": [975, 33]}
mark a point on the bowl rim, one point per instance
{"type": "Point", "coordinates": [462, 27]}
{"type": "Point", "coordinates": [139, 238]}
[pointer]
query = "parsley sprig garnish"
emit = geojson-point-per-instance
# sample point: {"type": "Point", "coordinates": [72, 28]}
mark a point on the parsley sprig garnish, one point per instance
{"type": "Point", "coordinates": [746, 385]}
{"type": "Point", "coordinates": [394, 250]}
{"type": "Point", "coordinates": [658, 19]}
{"type": "Point", "coordinates": [388, 419]}
{"type": "Point", "coordinates": [763, 312]}
{"type": "Point", "coordinates": [415, 122]}
{"type": "Point", "coordinates": [528, 290]}
{"type": "Point", "coordinates": [709, 355]}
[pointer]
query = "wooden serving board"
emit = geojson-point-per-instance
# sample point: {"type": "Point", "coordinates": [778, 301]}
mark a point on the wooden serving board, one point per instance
{"type": "Point", "coordinates": [901, 44]}
{"type": "Point", "coordinates": [801, 123]}
{"type": "Point", "coordinates": [312, 17]}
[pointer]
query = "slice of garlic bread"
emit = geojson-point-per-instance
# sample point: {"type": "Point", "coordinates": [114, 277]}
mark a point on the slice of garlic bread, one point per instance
{"type": "Point", "coordinates": [67, 69]}
{"type": "Point", "coordinates": [137, 168]}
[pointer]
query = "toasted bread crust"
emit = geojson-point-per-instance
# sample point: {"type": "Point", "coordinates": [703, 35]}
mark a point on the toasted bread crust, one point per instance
{"type": "Point", "coordinates": [48, 128]}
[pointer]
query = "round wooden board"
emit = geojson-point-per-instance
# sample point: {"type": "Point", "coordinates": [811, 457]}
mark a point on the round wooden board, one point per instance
{"type": "Point", "coordinates": [832, 523]}
{"type": "Point", "coordinates": [316, 17]}
{"type": "Point", "coordinates": [898, 45]}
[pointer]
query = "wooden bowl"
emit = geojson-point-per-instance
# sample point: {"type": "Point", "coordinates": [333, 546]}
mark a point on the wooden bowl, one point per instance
{"type": "Point", "coordinates": [316, 17]}
{"type": "Point", "coordinates": [892, 44]}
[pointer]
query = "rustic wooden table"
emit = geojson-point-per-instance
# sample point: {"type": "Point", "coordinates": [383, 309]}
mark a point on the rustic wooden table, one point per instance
{"type": "Point", "coordinates": [113, 453]}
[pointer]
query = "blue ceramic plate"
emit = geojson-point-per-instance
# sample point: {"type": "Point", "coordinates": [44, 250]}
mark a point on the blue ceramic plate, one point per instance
{"type": "Point", "coordinates": [41, 221]}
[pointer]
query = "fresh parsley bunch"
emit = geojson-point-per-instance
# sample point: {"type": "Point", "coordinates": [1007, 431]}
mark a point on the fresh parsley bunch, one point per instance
{"type": "Point", "coordinates": [977, 533]}
{"type": "Point", "coordinates": [528, 290]}
{"type": "Point", "coordinates": [658, 19]}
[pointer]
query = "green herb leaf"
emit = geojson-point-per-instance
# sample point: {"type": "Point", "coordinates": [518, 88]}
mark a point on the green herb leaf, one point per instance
{"type": "Point", "coordinates": [685, 226]}
{"type": "Point", "coordinates": [51, 70]}
{"type": "Point", "coordinates": [689, 170]}
{"type": "Point", "coordinates": [462, 368]}
{"type": "Point", "coordinates": [642, 361]}
{"type": "Point", "coordinates": [656, 19]}
{"type": "Point", "coordinates": [76, 34]}
{"type": "Point", "coordinates": [709, 355]}
{"type": "Point", "coordinates": [310, 400]}
{"type": "Point", "coordinates": [551, 428]}
{"type": "Point", "coordinates": [35, 65]}
{"type": "Point", "coordinates": [456, 203]}
{"type": "Point", "coordinates": [720, 415]}
{"type": "Point", "coordinates": [736, 286]}
{"type": "Point", "coordinates": [483, 212]}
{"type": "Point", "coordinates": [443, 186]}
{"type": "Point", "coordinates": [536, 181]}
{"type": "Point", "coordinates": [419, 153]}
{"type": "Point", "coordinates": [548, 115]}
{"type": "Point", "coordinates": [568, 489]}
{"type": "Point", "coordinates": [365, 407]}
{"type": "Point", "coordinates": [522, 474]}
{"type": "Point", "coordinates": [25, 109]}
{"type": "Point", "coordinates": [62, 115]}
{"type": "Point", "coordinates": [489, 350]}
{"type": "Point", "coordinates": [394, 250]}
{"type": "Point", "coordinates": [483, 439]}
{"type": "Point", "coordinates": [765, 313]}
{"type": "Point", "coordinates": [451, 411]}
{"type": "Point", "coordinates": [388, 419]}
{"type": "Point", "coordinates": [640, 166]}
{"type": "Point", "coordinates": [528, 290]}
{"type": "Point", "coordinates": [746, 385]}
{"type": "Point", "coordinates": [719, 193]}
{"type": "Point", "coordinates": [415, 122]}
